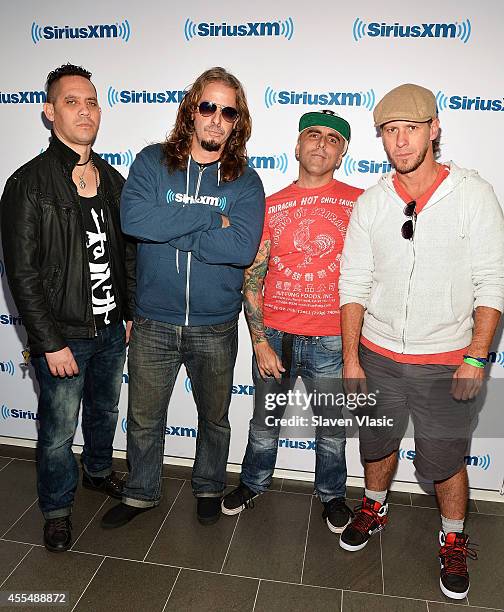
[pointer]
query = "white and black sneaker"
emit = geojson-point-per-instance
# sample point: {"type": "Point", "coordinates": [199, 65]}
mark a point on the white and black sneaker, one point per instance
{"type": "Point", "coordinates": [370, 517]}
{"type": "Point", "coordinates": [454, 579]}
{"type": "Point", "coordinates": [239, 499]}
{"type": "Point", "coordinates": [337, 514]}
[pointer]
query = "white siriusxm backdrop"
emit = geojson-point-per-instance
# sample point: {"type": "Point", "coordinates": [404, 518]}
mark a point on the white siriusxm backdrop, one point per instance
{"type": "Point", "coordinates": [325, 49]}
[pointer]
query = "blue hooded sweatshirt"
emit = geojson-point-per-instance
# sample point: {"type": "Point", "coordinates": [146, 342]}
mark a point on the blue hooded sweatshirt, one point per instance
{"type": "Point", "coordinates": [190, 268]}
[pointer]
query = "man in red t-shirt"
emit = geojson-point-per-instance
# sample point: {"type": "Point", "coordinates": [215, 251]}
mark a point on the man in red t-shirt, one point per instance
{"type": "Point", "coordinates": [295, 323]}
{"type": "Point", "coordinates": [422, 290]}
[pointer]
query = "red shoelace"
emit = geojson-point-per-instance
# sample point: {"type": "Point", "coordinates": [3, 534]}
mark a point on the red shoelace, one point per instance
{"type": "Point", "coordinates": [365, 516]}
{"type": "Point", "coordinates": [455, 555]}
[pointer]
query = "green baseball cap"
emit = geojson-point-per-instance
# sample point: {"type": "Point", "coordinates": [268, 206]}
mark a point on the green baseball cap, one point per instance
{"type": "Point", "coordinates": [328, 119]}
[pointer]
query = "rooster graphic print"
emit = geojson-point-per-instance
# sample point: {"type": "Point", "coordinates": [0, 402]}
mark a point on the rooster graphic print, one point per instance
{"type": "Point", "coordinates": [306, 229]}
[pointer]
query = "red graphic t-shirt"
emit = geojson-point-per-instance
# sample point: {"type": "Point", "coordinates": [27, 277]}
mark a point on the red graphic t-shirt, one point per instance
{"type": "Point", "coordinates": [306, 228]}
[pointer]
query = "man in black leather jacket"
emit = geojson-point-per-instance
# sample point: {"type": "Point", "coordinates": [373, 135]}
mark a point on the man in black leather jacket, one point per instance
{"type": "Point", "coordinates": [72, 276]}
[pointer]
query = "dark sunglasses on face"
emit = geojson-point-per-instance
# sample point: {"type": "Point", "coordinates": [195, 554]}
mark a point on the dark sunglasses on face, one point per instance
{"type": "Point", "coordinates": [207, 109]}
{"type": "Point", "coordinates": [408, 228]}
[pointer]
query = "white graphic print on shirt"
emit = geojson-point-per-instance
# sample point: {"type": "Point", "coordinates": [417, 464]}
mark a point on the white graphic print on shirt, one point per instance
{"type": "Point", "coordinates": [103, 298]}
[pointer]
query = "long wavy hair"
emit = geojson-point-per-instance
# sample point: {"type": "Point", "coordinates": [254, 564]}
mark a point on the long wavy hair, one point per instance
{"type": "Point", "coordinates": [177, 147]}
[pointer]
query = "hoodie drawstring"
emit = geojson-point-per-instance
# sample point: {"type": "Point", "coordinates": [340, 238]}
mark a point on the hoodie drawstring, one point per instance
{"type": "Point", "coordinates": [186, 193]}
{"type": "Point", "coordinates": [188, 270]}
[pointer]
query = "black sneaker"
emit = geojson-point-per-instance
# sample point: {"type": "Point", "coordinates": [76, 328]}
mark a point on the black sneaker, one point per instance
{"type": "Point", "coordinates": [370, 517]}
{"type": "Point", "coordinates": [110, 485]}
{"type": "Point", "coordinates": [337, 514]}
{"type": "Point", "coordinates": [58, 534]}
{"type": "Point", "coordinates": [120, 515]}
{"type": "Point", "coordinates": [454, 579]}
{"type": "Point", "coordinates": [208, 510]}
{"type": "Point", "coordinates": [239, 499]}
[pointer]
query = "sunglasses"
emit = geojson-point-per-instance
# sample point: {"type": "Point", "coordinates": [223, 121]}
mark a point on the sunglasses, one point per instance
{"type": "Point", "coordinates": [408, 228]}
{"type": "Point", "coordinates": [207, 109]}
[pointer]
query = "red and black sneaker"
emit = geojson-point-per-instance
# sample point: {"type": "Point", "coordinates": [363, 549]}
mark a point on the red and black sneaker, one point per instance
{"type": "Point", "coordinates": [454, 580]}
{"type": "Point", "coordinates": [370, 517]}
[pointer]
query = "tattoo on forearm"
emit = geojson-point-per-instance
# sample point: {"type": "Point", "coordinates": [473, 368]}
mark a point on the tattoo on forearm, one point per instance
{"type": "Point", "coordinates": [253, 293]}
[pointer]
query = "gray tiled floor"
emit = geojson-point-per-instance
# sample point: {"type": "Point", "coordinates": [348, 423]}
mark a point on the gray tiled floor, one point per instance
{"type": "Point", "coordinates": [279, 556]}
{"type": "Point", "coordinates": [276, 531]}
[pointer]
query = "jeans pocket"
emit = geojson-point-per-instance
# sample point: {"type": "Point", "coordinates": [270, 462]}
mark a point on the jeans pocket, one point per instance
{"type": "Point", "coordinates": [270, 332]}
{"type": "Point", "coordinates": [224, 328]}
{"type": "Point", "coordinates": [138, 320]}
{"type": "Point", "coordinates": [331, 344]}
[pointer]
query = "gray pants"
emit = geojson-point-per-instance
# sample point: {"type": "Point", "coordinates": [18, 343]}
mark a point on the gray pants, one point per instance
{"type": "Point", "coordinates": [442, 425]}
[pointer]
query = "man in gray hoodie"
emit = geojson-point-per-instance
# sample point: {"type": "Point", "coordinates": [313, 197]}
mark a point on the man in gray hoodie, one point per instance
{"type": "Point", "coordinates": [421, 293]}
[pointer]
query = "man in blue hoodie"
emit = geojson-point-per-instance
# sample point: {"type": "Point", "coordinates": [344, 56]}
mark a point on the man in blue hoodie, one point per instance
{"type": "Point", "coordinates": [197, 211]}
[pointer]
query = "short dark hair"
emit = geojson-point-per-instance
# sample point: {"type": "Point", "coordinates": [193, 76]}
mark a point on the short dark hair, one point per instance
{"type": "Point", "coordinates": [64, 70]}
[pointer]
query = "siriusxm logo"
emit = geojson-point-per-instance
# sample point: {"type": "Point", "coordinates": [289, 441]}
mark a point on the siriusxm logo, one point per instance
{"type": "Point", "coordinates": [170, 430]}
{"type": "Point", "coordinates": [481, 461]}
{"type": "Point", "coordinates": [326, 98]}
{"type": "Point", "coordinates": [131, 96]}
{"type": "Point", "coordinates": [22, 97]}
{"type": "Point", "coordinates": [182, 198]}
{"type": "Point", "coordinates": [460, 30]}
{"type": "Point", "coordinates": [103, 30]}
{"type": "Point", "coordinates": [203, 29]}
{"type": "Point", "coordinates": [184, 432]}
{"type": "Point", "coordinates": [125, 378]}
{"type": "Point", "coordinates": [7, 367]}
{"type": "Point", "coordinates": [235, 389]}
{"type": "Point", "coordinates": [119, 159]}
{"type": "Point", "coordinates": [271, 162]}
{"type": "Point", "coordinates": [299, 444]}
{"type": "Point", "coordinates": [466, 103]}
{"type": "Point", "coordinates": [8, 319]}
{"type": "Point", "coordinates": [2, 268]}
{"type": "Point", "coordinates": [14, 413]}
{"type": "Point", "coordinates": [497, 358]}
{"type": "Point", "coordinates": [365, 166]}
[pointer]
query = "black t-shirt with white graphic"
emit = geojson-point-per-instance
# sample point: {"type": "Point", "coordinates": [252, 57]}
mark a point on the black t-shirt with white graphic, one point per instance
{"type": "Point", "coordinates": [105, 308]}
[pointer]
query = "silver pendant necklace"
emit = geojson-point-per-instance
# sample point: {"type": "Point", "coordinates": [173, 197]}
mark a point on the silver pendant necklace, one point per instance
{"type": "Point", "coordinates": [82, 182]}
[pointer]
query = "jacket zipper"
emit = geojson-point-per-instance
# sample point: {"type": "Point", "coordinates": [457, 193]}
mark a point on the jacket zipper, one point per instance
{"type": "Point", "coordinates": [403, 335]}
{"type": "Point", "coordinates": [408, 292]}
{"type": "Point", "coordinates": [188, 270]}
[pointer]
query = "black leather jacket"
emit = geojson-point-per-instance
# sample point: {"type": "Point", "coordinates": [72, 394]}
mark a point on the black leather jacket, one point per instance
{"type": "Point", "coordinates": [44, 248]}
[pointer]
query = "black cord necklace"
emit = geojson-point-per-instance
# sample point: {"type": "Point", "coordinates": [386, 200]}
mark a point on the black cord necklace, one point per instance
{"type": "Point", "coordinates": [84, 163]}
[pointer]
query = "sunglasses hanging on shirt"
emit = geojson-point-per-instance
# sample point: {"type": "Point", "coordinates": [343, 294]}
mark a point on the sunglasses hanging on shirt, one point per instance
{"type": "Point", "coordinates": [408, 228]}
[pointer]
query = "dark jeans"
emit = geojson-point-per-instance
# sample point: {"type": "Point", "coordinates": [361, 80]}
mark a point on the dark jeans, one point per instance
{"type": "Point", "coordinates": [157, 350]}
{"type": "Point", "coordinates": [98, 385]}
{"type": "Point", "coordinates": [318, 361]}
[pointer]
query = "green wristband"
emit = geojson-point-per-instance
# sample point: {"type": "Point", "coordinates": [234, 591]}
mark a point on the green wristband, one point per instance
{"type": "Point", "coordinates": [474, 362]}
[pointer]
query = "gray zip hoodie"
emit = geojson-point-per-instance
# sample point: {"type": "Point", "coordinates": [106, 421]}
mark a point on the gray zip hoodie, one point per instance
{"type": "Point", "coordinates": [420, 294]}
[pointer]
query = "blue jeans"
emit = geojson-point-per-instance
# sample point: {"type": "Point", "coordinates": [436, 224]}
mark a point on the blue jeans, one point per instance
{"type": "Point", "coordinates": [98, 385]}
{"type": "Point", "coordinates": [318, 361]}
{"type": "Point", "coordinates": [157, 350]}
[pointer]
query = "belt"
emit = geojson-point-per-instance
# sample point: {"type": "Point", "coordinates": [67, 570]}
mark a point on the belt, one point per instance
{"type": "Point", "coordinates": [287, 342]}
